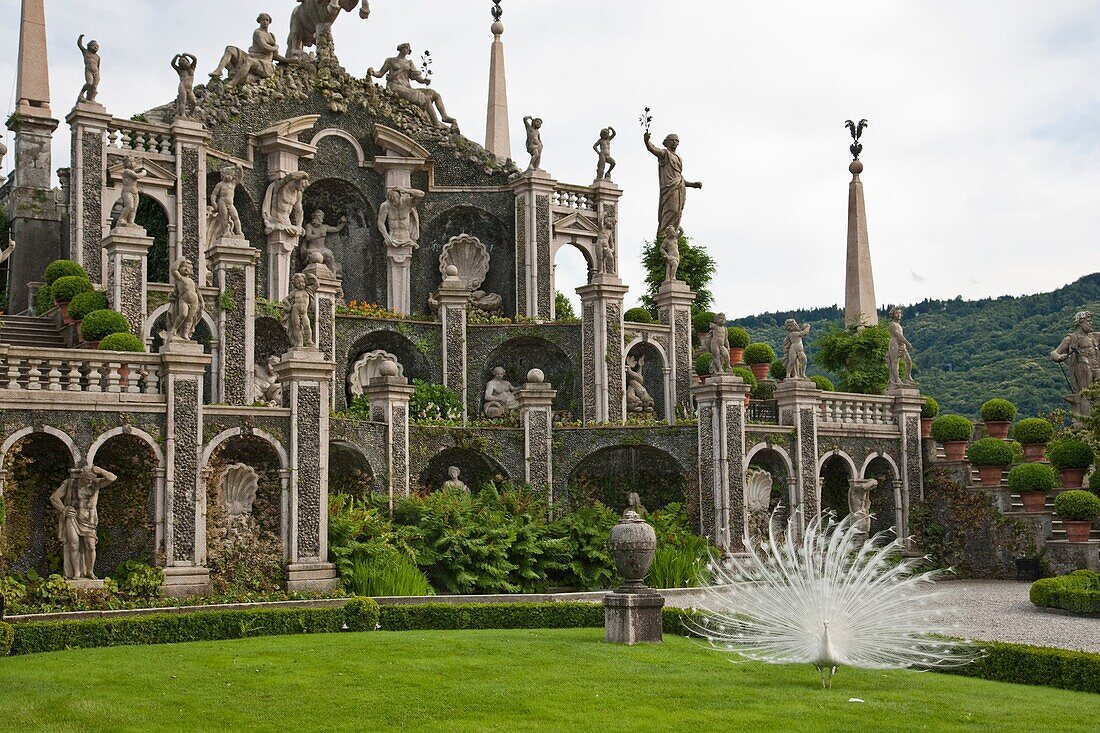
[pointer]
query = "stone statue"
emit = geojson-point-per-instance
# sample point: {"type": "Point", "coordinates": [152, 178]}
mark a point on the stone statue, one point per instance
{"type": "Point", "coordinates": [400, 72]}
{"type": "Point", "coordinates": [226, 221]}
{"type": "Point", "coordinates": [718, 344]}
{"type": "Point", "coordinates": [534, 141]}
{"type": "Point", "coordinates": [3, 154]}
{"type": "Point", "coordinates": [184, 65]}
{"type": "Point", "coordinates": [859, 502]}
{"type": "Point", "coordinates": [76, 501]}
{"type": "Point", "coordinates": [265, 386]}
{"type": "Point", "coordinates": [500, 396]}
{"type": "Point", "coordinates": [455, 483]}
{"type": "Point", "coordinates": [132, 173]}
{"type": "Point", "coordinates": [296, 308]}
{"type": "Point", "coordinates": [398, 219]}
{"type": "Point", "coordinates": [90, 90]}
{"type": "Point", "coordinates": [606, 163]}
{"type": "Point", "coordinates": [794, 352]}
{"type": "Point", "coordinates": [313, 17]}
{"type": "Point", "coordinates": [1081, 351]}
{"type": "Point", "coordinates": [670, 248]}
{"type": "Point", "coordinates": [638, 399]}
{"type": "Point", "coordinates": [185, 303]}
{"type": "Point", "coordinates": [256, 63]}
{"type": "Point", "coordinates": [315, 241]}
{"type": "Point", "coordinates": [899, 352]}
{"type": "Point", "coordinates": [283, 204]}
{"type": "Point", "coordinates": [758, 492]}
{"type": "Point", "coordinates": [673, 186]}
{"type": "Point", "coordinates": [605, 244]}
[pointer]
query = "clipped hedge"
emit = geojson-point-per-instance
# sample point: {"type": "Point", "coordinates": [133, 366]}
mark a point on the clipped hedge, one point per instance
{"type": "Point", "coordinates": [747, 375]}
{"type": "Point", "coordinates": [1070, 453]}
{"type": "Point", "coordinates": [1033, 430]}
{"type": "Point", "coordinates": [739, 337]}
{"type": "Point", "coordinates": [70, 286]}
{"type": "Point", "coordinates": [778, 370]}
{"type": "Point", "coordinates": [126, 342]}
{"type": "Point", "coordinates": [1034, 665]}
{"type": "Point", "coordinates": [7, 634]}
{"type": "Point", "coordinates": [360, 614]}
{"type": "Point", "coordinates": [43, 300]}
{"type": "Point", "coordinates": [998, 410]}
{"type": "Point", "coordinates": [990, 452]}
{"type": "Point", "coordinates": [1077, 506]}
{"type": "Point", "coordinates": [703, 362]}
{"type": "Point", "coordinates": [97, 325]}
{"type": "Point", "coordinates": [1078, 592]}
{"type": "Point", "coordinates": [447, 616]}
{"type": "Point", "coordinates": [759, 353]}
{"type": "Point", "coordinates": [949, 428]}
{"type": "Point", "coordinates": [62, 268]}
{"type": "Point", "coordinates": [85, 303]}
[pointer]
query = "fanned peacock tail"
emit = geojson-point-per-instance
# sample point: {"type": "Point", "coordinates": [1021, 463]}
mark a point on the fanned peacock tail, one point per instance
{"type": "Point", "coordinates": [775, 603]}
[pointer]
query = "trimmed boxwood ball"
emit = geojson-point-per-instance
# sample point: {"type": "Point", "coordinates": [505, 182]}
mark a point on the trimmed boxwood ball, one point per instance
{"type": "Point", "coordinates": [930, 408]}
{"type": "Point", "coordinates": [948, 428]}
{"type": "Point", "coordinates": [764, 391]}
{"type": "Point", "coordinates": [701, 321]}
{"type": "Point", "coordinates": [127, 342]}
{"type": "Point", "coordinates": [62, 268]}
{"type": "Point", "coordinates": [823, 383]}
{"type": "Point", "coordinates": [68, 287]}
{"type": "Point", "coordinates": [638, 315]}
{"type": "Point", "coordinates": [759, 353]}
{"type": "Point", "coordinates": [998, 410]}
{"type": "Point", "coordinates": [1070, 453]}
{"type": "Point", "coordinates": [1017, 450]}
{"type": "Point", "coordinates": [1032, 477]}
{"type": "Point", "coordinates": [98, 325]}
{"type": "Point", "coordinates": [778, 370]}
{"type": "Point", "coordinates": [703, 362]}
{"type": "Point", "coordinates": [739, 337]}
{"type": "Point", "coordinates": [747, 375]}
{"type": "Point", "coordinates": [1033, 430]}
{"type": "Point", "coordinates": [1077, 505]}
{"type": "Point", "coordinates": [43, 299]}
{"type": "Point", "coordinates": [83, 304]}
{"type": "Point", "coordinates": [990, 452]}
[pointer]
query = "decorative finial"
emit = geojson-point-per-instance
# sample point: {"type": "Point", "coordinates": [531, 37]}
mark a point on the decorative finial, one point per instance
{"type": "Point", "coordinates": [857, 132]}
{"type": "Point", "coordinates": [497, 11]}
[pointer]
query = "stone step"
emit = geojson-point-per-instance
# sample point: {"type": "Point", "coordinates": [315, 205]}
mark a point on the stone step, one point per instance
{"type": "Point", "coordinates": [32, 331]}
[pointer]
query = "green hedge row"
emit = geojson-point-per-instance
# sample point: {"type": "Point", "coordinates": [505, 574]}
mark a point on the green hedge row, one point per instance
{"type": "Point", "coordinates": [1078, 592]}
{"type": "Point", "coordinates": [360, 614]}
{"type": "Point", "coordinates": [7, 634]}
{"type": "Point", "coordinates": [565, 615]}
{"type": "Point", "coordinates": [1034, 665]}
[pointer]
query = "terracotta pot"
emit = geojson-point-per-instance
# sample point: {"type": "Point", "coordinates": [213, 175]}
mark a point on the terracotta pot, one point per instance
{"type": "Point", "coordinates": [737, 356]}
{"type": "Point", "coordinates": [702, 378]}
{"type": "Point", "coordinates": [124, 376]}
{"type": "Point", "coordinates": [1034, 501]}
{"type": "Point", "coordinates": [1077, 531]}
{"type": "Point", "coordinates": [760, 371]}
{"type": "Point", "coordinates": [64, 307]}
{"type": "Point", "coordinates": [926, 427]}
{"type": "Point", "coordinates": [990, 475]}
{"type": "Point", "coordinates": [93, 345]}
{"type": "Point", "coordinates": [997, 429]}
{"type": "Point", "coordinates": [1073, 478]}
{"type": "Point", "coordinates": [955, 449]}
{"type": "Point", "coordinates": [1035, 452]}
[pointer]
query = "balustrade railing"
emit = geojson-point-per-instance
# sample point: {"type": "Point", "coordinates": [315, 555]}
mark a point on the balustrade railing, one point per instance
{"type": "Point", "coordinates": [75, 370]}
{"type": "Point", "coordinates": [574, 197]}
{"type": "Point", "coordinates": [763, 412]}
{"type": "Point", "coordinates": [139, 137]}
{"type": "Point", "coordinates": [851, 409]}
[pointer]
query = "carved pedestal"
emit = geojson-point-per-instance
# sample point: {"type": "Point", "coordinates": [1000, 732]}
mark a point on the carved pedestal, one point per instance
{"type": "Point", "coordinates": [398, 279]}
{"type": "Point", "coordinates": [674, 301]}
{"type": "Point", "coordinates": [722, 514]}
{"type": "Point", "coordinates": [798, 401]}
{"type": "Point", "coordinates": [602, 363]}
{"type": "Point", "coordinates": [324, 309]}
{"type": "Point", "coordinates": [234, 263]}
{"type": "Point", "coordinates": [389, 403]}
{"type": "Point", "coordinates": [127, 254]}
{"type": "Point", "coordinates": [536, 414]}
{"type": "Point", "coordinates": [454, 297]}
{"type": "Point", "coordinates": [633, 618]}
{"type": "Point", "coordinates": [534, 234]}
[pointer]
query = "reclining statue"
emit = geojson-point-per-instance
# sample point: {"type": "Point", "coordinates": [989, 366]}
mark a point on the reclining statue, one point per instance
{"type": "Point", "coordinates": [255, 64]}
{"type": "Point", "coordinates": [400, 72]}
{"type": "Point", "coordinates": [500, 396]}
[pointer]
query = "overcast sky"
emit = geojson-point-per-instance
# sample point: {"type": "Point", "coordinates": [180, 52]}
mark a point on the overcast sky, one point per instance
{"type": "Point", "coordinates": [982, 168]}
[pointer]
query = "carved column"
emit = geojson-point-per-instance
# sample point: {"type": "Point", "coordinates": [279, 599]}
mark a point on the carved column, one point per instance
{"type": "Point", "coordinates": [536, 412]}
{"type": "Point", "coordinates": [183, 367]}
{"type": "Point", "coordinates": [798, 401]}
{"type": "Point", "coordinates": [324, 309]}
{"type": "Point", "coordinates": [306, 377]}
{"type": "Point", "coordinates": [722, 513]}
{"type": "Point", "coordinates": [389, 403]}
{"type": "Point", "coordinates": [88, 179]}
{"type": "Point", "coordinates": [190, 139]}
{"type": "Point", "coordinates": [127, 254]}
{"type": "Point", "coordinates": [234, 263]}
{"type": "Point", "coordinates": [534, 233]}
{"type": "Point", "coordinates": [674, 301]}
{"type": "Point", "coordinates": [454, 297]}
{"type": "Point", "coordinates": [907, 407]}
{"type": "Point", "coordinates": [602, 362]}
{"type": "Point", "coordinates": [283, 152]}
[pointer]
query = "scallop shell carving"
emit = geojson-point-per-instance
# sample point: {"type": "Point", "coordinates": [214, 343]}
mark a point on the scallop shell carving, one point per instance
{"type": "Point", "coordinates": [758, 491]}
{"type": "Point", "coordinates": [240, 483]}
{"type": "Point", "coordinates": [367, 368]}
{"type": "Point", "coordinates": [470, 256]}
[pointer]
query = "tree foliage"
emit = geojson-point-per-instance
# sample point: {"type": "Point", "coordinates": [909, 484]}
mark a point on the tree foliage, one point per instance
{"type": "Point", "coordinates": [857, 356]}
{"type": "Point", "coordinates": [696, 269]}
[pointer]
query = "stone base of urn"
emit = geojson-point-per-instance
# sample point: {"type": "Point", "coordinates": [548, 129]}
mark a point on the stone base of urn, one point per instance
{"type": "Point", "coordinates": [317, 577]}
{"type": "Point", "coordinates": [633, 618]}
{"type": "Point", "coordinates": [85, 584]}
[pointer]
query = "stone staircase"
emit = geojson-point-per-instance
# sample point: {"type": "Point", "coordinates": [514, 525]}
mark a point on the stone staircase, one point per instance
{"type": "Point", "coordinates": [1057, 530]}
{"type": "Point", "coordinates": [33, 331]}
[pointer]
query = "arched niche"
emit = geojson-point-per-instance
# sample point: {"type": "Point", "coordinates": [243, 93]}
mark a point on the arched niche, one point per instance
{"type": "Point", "coordinates": [610, 475]}
{"type": "Point", "coordinates": [490, 230]}
{"type": "Point", "coordinates": [358, 249]}
{"type": "Point", "coordinates": [127, 508]}
{"type": "Point", "coordinates": [413, 363]}
{"type": "Point", "coordinates": [775, 461]}
{"type": "Point", "coordinates": [520, 355]}
{"type": "Point", "coordinates": [835, 473]}
{"type": "Point", "coordinates": [349, 471]}
{"type": "Point", "coordinates": [476, 469]}
{"type": "Point", "coordinates": [884, 499]}
{"type": "Point", "coordinates": [35, 465]}
{"type": "Point", "coordinates": [653, 373]}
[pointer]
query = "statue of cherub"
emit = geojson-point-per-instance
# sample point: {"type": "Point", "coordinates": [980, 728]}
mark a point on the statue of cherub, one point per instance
{"type": "Point", "coordinates": [534, 141]}
{"type": "Point", "coordinates": [296, 307]}
{"type": "Point", "coordinates": [184, 64]}
{"type": "Point", "coordinates": [670, 248]}
{"type": "Point", "coordinates": [718, 344]}
{"type": "Point", "coordinates": [227, 221]}
{"type": "Point", "coordinates": [606, 163]}
{"type": "Point", "coordinates": [794, 351]}
{"type": "Point", "coordinates": [185, 303]}
{"type": "Point", "coordinates": [132, 173]}
{"type": "Point", "coordinates": [90, 90]}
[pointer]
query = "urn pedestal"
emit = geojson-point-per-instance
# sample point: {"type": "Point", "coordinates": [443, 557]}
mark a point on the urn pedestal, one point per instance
{"type": "Point", "coordinates": [633, 613]}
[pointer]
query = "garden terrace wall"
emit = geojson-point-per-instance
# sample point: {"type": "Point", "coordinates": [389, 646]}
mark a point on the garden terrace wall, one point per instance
{"type": "Point", "coordinates": [416, 344]}
{"type": "Point", "coordinates": [481, 453]}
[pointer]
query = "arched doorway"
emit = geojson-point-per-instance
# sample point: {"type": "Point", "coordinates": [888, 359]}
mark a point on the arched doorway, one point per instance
{"type": "Point", "coordinates": [34, 467]}
{"type": "Point", "coordinates": [775, 463]}
{"type": "Point", "coordinates": [610, 475]}
{"type": "Point", "coordinates": [572, 269]}
{"type": "Point", "coordinates": [152, 215]}
{"type": "Point", "coordinates": [476, 469]}
{"type": "Point", "coordinates": [835, 474]}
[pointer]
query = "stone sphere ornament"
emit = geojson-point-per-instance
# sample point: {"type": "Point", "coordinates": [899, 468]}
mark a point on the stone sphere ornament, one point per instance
{"type": "Point", "coordinates": [536, 376]}
{"type": "Point", "coordinates": [388, 369]}
{"type": "Point", "coordinates": [632, 544]}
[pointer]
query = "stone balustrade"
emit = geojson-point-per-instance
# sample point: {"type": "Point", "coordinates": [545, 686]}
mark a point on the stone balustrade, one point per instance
{"type": "Point", "coordinates": [575, 198]}
{"type": "Point", "coordinates": [139, 138]}
{"type": "Point", "coordinates": [77, 370]}
{"type": "Point", "coordinates": [838, 408]}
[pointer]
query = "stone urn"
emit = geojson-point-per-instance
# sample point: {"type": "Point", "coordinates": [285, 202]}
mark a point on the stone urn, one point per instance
{"type": "Point", "coordinates": [632, 544]}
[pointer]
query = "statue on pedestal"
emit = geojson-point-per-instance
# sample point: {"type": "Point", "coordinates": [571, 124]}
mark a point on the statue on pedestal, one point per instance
{"type": "Point", "coordinates": [606, 163]}
{"type": "Point", "coordinates": [673, 186]}
{"type": "Point", "coordinates": [899, 353]}
{"type": "Point", "coordinates": [132, 173]}
{"type": "Point", "coordinates": [256, 63]}
{"type": "Point", "coordinates": [185, 303]}
{"type": "Point", "coordinates": [265, 386]}
{"type": "Point", "coordinates": [90, 90]}
{"type": "Point", "coordinates": [534, 141]}
{"type": "Point", "coordinates": [1081, 351]}
{"type": "Point", "coordinates": [638, 399]}
{"type": "Point", "coordinates": [398, 219]}
{"type": "Point", "coordinates": [400, 72]}
{"type": "Point", "coordinates": [315, 241]}
{"type": "Point", "coordinates": [859, 502]}
{"type": "Point", "coordinates": [605, 244]}
{"type": "Point", "coordinates": [500, 396]}
{"type": "Point", "coordinates": [718, 344]}
{"type": "Point", "coordinates": [794, 351]}
{"type": "Point", "coordinates": [313, 17]}
{"type": "Point", "coordinates": [184, 65]}
{"type": "Point", "coordinates": [296, 309]}
{"type": "Point", "coordinates": [670, 248]}
{"type": "Point", "coordinates": [224, 220]}
{"type": "Point", "coordinates": [455, 484]}
{"type": "Point", "coordinates": [283, 204]}
{"type": "Point", "coordinates": [76, 501]}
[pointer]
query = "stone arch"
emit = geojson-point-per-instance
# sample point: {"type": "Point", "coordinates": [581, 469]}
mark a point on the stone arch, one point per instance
{"type": "Point", "coordinates": [879, 456]}
{"type": "Point", "coordinates": [887, 508]}
{"type": "Point", "coordinates": [655, 372]}
{"type": "Point", "coordinates": [521, 354]}
{"type": "Point", "coordinates": [775, 460]}
{"type": "Point", "coordinates": [225, 435]}
{"type": "Point", "coordinates": [205, 334]}
{"type": "Point", "coordinates": [129, 525]}
{"type": "Point", "coordinates": [350, 471]}
{"type": "Point", "coordinates": [476, 468]}
{"type": "Point", "coordinates": [437, 230]}
{"type": "Point", "coordinates": [574, 273]}
{"type": "Point", "coordinates": [834, 470]}
{"type": "Point", "coordinates": [359, 248]}
{"type": "Point", "coordinates": [611, 473]}
{"type": "Point", "coordinates": [62, 436]}
{"type": "Point", "coordinates": [153, 214]}
{"type": "Point", "coordinates": [412, 360]}
{"type": "Point", "coordinates": [347, 137]}
{"type": "Point", "coordinates": [126, 430]}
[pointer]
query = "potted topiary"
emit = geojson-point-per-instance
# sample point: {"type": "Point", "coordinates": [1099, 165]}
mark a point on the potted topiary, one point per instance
{"type": "Point", "coordinates": [100, 324]}
{"type": "Point", "coordinates": [83, 304]}
{"type": "Point", "coordinates": [702, 365]}
{"type": "Point", "coordinates": [1032, 481]}
{"type": "Point", "coordinates": [700, 321]}
{"type": "Point", "coordinates": [778, 370]}
{"type": "Point", "coordinates": [638, 315]}
{"type": "Point", "coordinates": [1034, 433]}
{"type": "Point", "coordinates": [954, 432]}
{"type": "Point", "coordinates": [123, 342]}
{"type": "Point", "coordinates": [66, 288]}
{"type": "Point", "coordinates": [62, 268]}
{"type": "Point", "coordinates": [1072, 457]}
{"type": "Point", "coordinates": [823, 383]}
{"type": "Point", "coordinates": [748, 378]}
{"type": "Point", "coordinates": [998, 415]}
{"type": "Point", "coordinates": [991, 456]}
{"type": "Point", "coordinates": [759, 358]}
{"type": "Point", "coordinates": [928, 412]}
{"type": "Point", "coordinates": [1078, 510]}
{"type": "Point", "coordinates": [739, 339]}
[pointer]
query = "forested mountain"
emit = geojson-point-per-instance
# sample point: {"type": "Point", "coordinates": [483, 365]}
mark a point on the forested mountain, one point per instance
{"type": "Point", "coordinates": [971, 350]}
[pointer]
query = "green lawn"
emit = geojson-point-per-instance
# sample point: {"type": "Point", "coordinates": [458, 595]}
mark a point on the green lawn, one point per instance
{"type": "Point", "coordinates": [494, 680]}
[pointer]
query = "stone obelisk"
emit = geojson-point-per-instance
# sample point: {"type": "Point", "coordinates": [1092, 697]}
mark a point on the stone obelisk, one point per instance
{"type": "Point", "coordinates": [860, 308]}
{"type": "Point", "coordinates": [497, 136]}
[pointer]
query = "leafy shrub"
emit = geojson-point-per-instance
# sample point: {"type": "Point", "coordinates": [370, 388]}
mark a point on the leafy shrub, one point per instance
{"type": "Point", "coordinates": [703, 362]}
{"type": "Point", "coordinates": [1077, 505]}
{"type": "Point", "coordinates": [681, 556]}
{"type": "Point", "coordinates": [947, 428]}
{"type": "Point", "coordinates": [1032, 477]}
{"type": "Point", "coordinates": [126, 342]}
{"type": "Point", "coordinates": [52, 594]}
{"type": "Point", "coordinates": [361, 614]}
{"type": "Point", "coordinates": [759, 353]}
{"type": "Point", "coordinates": [990, 452]}
{"type": "Point", "coordinates": [1033, 430]}
{"type": "Point", "coordinates": [638, 315]}
{"type": "Point", "coordinates": [97, 325]}
{"type": "Point", "coordinates": [563, 309]}
{"type": "Point", "coordinates": [68, 287]}
{"type": "Point", "coordinates": [857, 356]}
{"type": "Point", "coordinates": [764, 391]}
{"type": "Point", "coordinates": [1017, 450]}
{"type": "Point", "coordinates": [823, 383]}
{"type": "Point", "coordinates": [930, 408]}
{"type": "Point", "coordinates": [1094, 482]}
{"type": "Point", "coordinates": [998, 410]}
{"type": "Point", "coordinates": [739, 337]}
{"type": "Point", "coordinates": [1070, 453]}
{"type": "Point", "coordinates": [43, 299]}
{"type": "Point", "coordinates": [747, 375]}
{"type": "Point", "coordinates": [391, 574]}
{"type": "Point", "coordinates": [137, 580]}
{"type": "Point", "coordinates": [1078, 592]}
{"type": "Point", "coordinates": [701, 320]}
{"type": "Point", "coordinates": [434, 402]}
{"type": "Point", "coordinates": [7, 635]}
{"type": "Point", "coordinates": [62, 268]}
{"type": "Point", "coordinates": [590, 565]}
{"type": "Point", "coordinates": [84, 303]}
{"type": "Point", "coordinates": [778, 370]}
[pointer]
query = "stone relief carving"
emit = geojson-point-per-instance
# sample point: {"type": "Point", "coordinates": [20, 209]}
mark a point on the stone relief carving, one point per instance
{"type": "Point", "coordinates": [185, 304]}
{"type": "Point", "coordinates": [673, 186]}
{"type": "Point", "coordinates": [296, 309]}
{"type": "Point", "coordinates": [470, 257]}
{"type": "Point", "coordinates": [455, 483]}
{"type": "Point", "coordinates": [265, 386]}
{"type": "Point", "coordinates": [605, 163]}
{"type": "Point", "coordinates": [534, 141]}
{"type": "Point", "coordinates": [132, 173]}
{"type": "Point", "coordinates": [500, 396]}
{"type": "Point", "coordinates": [90, 90]}
{"type": "Point", "coordinates": [794, 351]}
{"type": "Point", "coordinates": [313, 17]}
{"type": "Point", "coordinates": [239, 485]}
{"type": "Point", "coordinates": [758, 492]}
{"type": "Point", "coordinates": [718, 344]}
{"type": "Point", "coordinates": [1080, 351]}
{"type": "Point", "coordinates": [400, 72]}
{"type": "Point", "coordinates": [315, 249]}
{"type": "Point", "coordinates": [369, 366]}
{"type": "Point", "coordinates": [184, 65]}
{"type": "Point", "coordinates": [256, 63]}
{"type": "Point", "coordinates": [638, 399]}
{"type": "Point", "coordinates": [76, 502]}
{"type": "Point", "coordinates": [398, 219]}
{"type": "Point", "coordinates": [282, 209]}
{"type": "Point", "coordinates": [222, 219]}
{"type": "Point", "coordinates": [899, 353]}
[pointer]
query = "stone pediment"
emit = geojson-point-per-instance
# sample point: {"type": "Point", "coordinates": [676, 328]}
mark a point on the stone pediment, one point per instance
{"type": "Point", "coordinates": [159, 174]}
{"type": "Point", "coordinates": [577, 224]}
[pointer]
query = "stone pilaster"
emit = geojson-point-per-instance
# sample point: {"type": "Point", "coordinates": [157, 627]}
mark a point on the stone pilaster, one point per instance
{"type": "Point", "coordinates": [674, 301]}
{"type": "Point", "coordinates": [722, 513]}
{"type": "Point", "coordinates": [454, 297]}
{"type": "Point", "coordinates": [306, 377]}
{"type": "Point", "coordinates": [88, 179]}
{"type": "Point", "coordinates": [234, 264]}
{"type": "Point", "coordinates": [189, 141]}
{"type": "Point", "coordinates": [324, 314]}
{"type": "Point", "coordinates": [127, 252]}
{"type": "Point", "coordinates": [907, 407]}
{"type": "Point", "coordinates": [389, 397]}
{"type": "Point", "coordinates": [798, 401]}
{"type": "Point", "coordinates": [536, 399]}
{"type": "Point", "coordinates": [534, 233]}
{"type": "Point", "coordinates": [183, 366]}
{"type": "Point", "coordinates": [602, 361]}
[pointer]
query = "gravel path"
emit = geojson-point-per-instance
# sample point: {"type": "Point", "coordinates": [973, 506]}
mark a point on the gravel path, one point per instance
{"type": "Point", "coordinates": [999, 610]}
